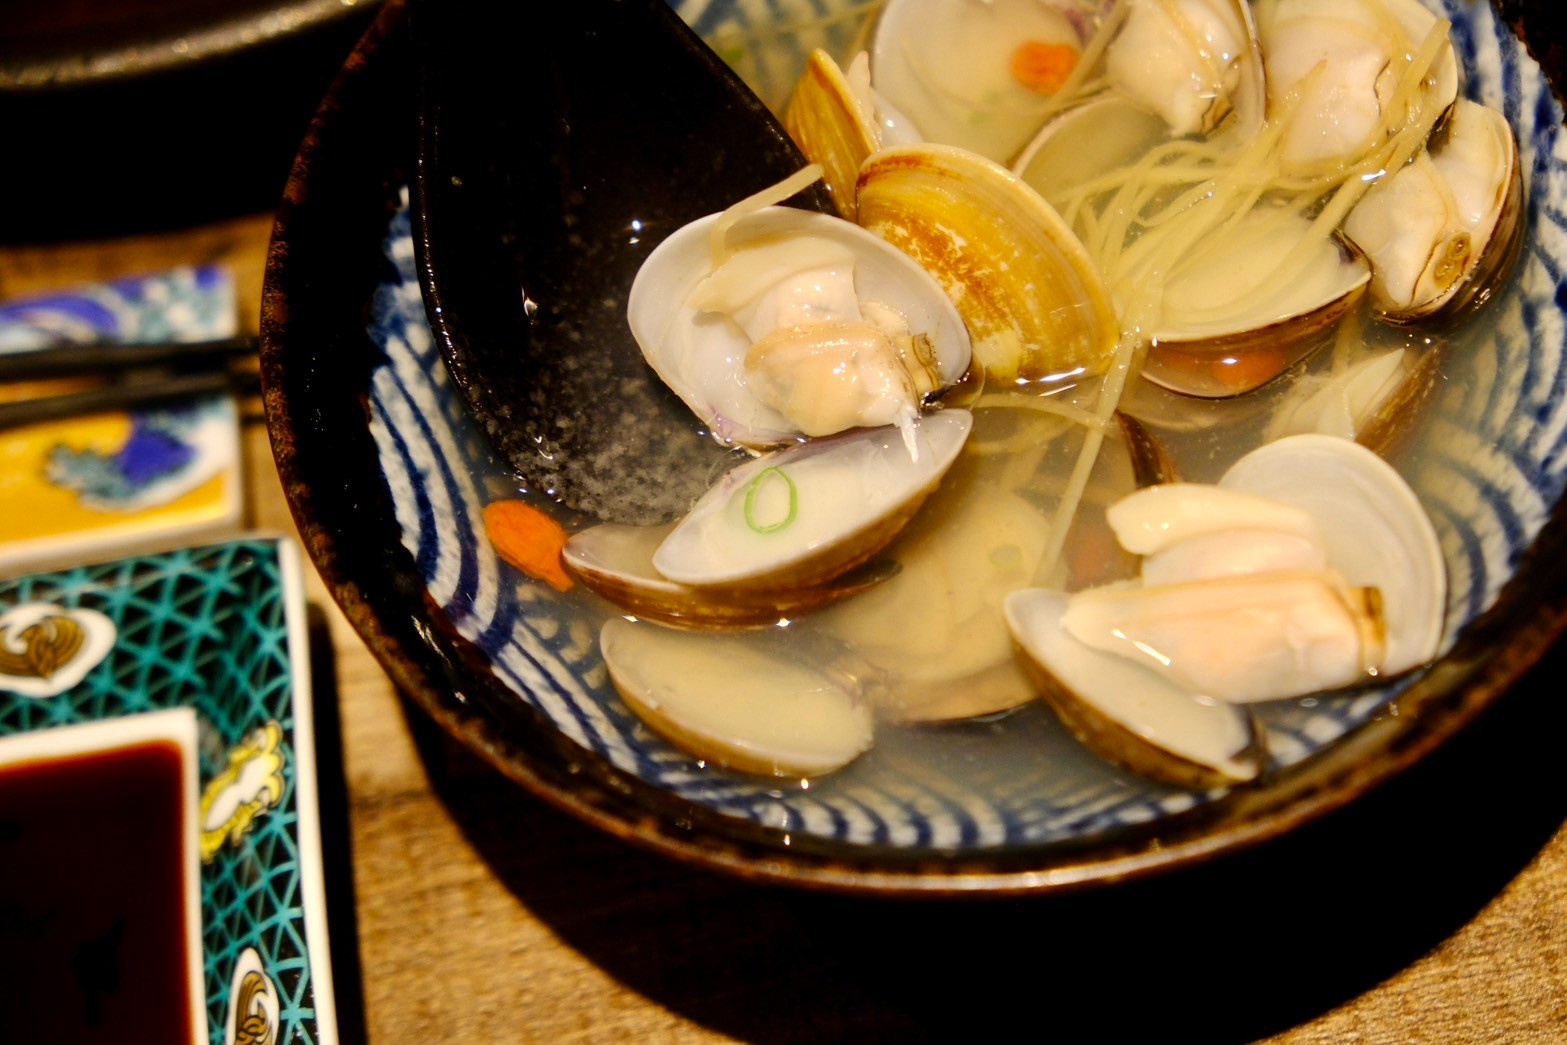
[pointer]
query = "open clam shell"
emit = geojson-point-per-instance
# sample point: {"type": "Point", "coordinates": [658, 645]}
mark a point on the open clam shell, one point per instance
{"type": "Point", "coordinates": [1444, 230]}
{"type": "Point", "coordinates": [978, 75]}
{"type": "Point", "coordinates": [1378, 397]}
{"type": "Point", "coordinates": [932, 636]}
{"type": "Point", "coordinates": [1197, 63]}
{"type": "Point", "coordinates": [1229, 309]}
{"type": "Point", "coordinates": [1082, 142]}
{"type": "Point", "coordinates": [1035, 306]}
{"type": "Point", "coordinates": [798, 517]}
{"type": "Point", "coordinates": [701, 355]}
{"type": "Point", "coordinates": [1377, 532]}
{"type": "Point", "coordinates": [838, 121]}
{"type": "Point", "coordinates": [1335, 67]}
{"type": "Point", "coordinates": [1125, 713]}
{"type": "Point", "coordinates": [1255, 301]}
{"type": "Point", "coordinates": [930, 644]}
{"type": "Point", "coordinates": [1311, 516]}
{"type": "Point", "coordinates": [828, 121]}
{"type": "Point", "coordinates": [616, 561]}
{"type": "Point", "coordinates": [736, 702]}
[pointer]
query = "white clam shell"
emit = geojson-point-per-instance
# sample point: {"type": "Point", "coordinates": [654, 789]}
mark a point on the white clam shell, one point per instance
{"type": "Point", "coordinates": [945, 66]}
{"type": "Point", "coordinates": [1125, 712]}
{"type": "Point", "coordinates": [1341, 402]}
{"type": "Point", "coordinates": [701, 355]}
{"type": "Point", "coordinates": [1251, 304]}
{"type": "Point", "coordinates": [1375, 529]}
{"type": "Point", "coordinates": [1375, 534]}
{"type": "Point", "coordinates": [733, 701]}
{"type": "Point", "coordinates": [1194, 62]}
{"type": "Point", "coordinates": [616, 561]}
{"type": "Point", "coordinates": [1080, 143]}
{"type": "Point", "coordinates": [798, 517]}
{"type": "Point", "coordinates": [1200, 303]}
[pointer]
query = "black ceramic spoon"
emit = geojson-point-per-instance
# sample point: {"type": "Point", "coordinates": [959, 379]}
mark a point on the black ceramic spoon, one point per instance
{"type": "Point", "coordinates": [559, 143]}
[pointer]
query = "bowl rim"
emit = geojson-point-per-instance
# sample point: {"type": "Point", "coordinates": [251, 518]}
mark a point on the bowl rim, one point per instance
{"type": "Point", "coordinates": [74, 59]}
{"type": "Point", "coordinates": [1492, 653]}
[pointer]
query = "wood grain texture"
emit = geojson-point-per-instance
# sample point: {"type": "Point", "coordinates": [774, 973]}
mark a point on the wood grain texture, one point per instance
{"type": "Point", "coordinates": [1433, 911]}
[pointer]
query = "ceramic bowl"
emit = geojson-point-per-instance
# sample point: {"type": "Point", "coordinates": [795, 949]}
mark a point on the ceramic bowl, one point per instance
{"type": "Point", "coordinates": [210, 641]}
{"type": "Point", "coordinates": [192, 108]}
{"type": "Point", "coordinates": [388, 476]}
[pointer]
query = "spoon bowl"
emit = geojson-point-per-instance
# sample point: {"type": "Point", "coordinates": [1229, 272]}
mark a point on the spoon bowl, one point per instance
{"type": "Point", "coordinates": [541, 186]}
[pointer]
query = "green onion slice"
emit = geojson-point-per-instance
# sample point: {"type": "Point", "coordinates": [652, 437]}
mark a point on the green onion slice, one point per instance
{"type": "Point", "coordinates": [754, 490]}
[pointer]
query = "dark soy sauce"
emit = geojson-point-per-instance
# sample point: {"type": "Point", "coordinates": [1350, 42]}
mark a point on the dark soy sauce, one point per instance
{"type": "Point", "coordinates": [93, 930]}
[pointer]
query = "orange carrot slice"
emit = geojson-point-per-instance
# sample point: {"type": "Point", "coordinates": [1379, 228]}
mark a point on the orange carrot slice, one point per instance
{"type": "Point", "coordinates": [1043, 67]}
{"type": "Point", "coordinates": [529, 539]}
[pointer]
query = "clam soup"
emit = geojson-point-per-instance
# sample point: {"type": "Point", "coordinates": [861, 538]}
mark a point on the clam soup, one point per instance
{"type": "Point", "coordinates": [914, 627]}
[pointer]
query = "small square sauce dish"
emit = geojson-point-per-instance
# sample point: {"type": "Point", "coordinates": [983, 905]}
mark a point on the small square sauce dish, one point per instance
{"type": "Point", "coordinates": [161, 873]}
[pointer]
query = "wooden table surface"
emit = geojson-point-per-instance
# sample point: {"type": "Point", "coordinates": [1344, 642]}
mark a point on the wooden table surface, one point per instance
{"type": "Point", "coordinates": [464, 910]}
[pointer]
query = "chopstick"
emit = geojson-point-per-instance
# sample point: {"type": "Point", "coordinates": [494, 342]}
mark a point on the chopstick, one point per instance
{"type": "Point", "coordinates": [137, 376]}
{"type": "Point", "coordinates": [110, 357]}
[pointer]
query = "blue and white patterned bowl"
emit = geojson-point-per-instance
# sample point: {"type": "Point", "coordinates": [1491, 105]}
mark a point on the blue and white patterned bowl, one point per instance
{"type": "Point", "coordinates": [388, 475]}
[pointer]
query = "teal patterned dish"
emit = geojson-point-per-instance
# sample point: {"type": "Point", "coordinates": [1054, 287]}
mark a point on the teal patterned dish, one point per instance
{"type": "Point", "coordinates": [219, 629]}
{"type": "Point", "coordinates": [357, 388]}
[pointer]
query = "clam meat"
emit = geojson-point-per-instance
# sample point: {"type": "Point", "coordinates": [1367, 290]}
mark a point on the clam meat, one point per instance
{"type": "Point", "coordinates": [1196, 63]}
{"type": "Point", "coordinates": [1336, 75]}
{"type": "Point", "coordinates": [1240, 637]}
{"type": "Point", "coordinates": [778, 324]}
{"type": "Point", "coordinates": [1445, 226]}
{"type": "Point", "coordinates": [1377, 394]}
{"type": "Point", "coordinates": [1309, 568]}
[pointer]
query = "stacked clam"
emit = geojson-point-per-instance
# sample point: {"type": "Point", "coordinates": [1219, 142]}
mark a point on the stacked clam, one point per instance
{"type": "Point", "coordinates": [1309, 568]}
